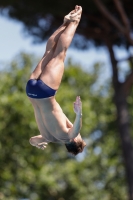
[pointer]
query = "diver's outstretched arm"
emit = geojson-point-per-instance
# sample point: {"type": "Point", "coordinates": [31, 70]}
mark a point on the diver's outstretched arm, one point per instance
{"type": "Point", "coordinates": [74, 131]}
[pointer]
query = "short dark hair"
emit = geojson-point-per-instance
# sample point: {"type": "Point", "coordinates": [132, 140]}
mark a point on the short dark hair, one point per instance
{"type": "Point", "coordinates": [75, 147]}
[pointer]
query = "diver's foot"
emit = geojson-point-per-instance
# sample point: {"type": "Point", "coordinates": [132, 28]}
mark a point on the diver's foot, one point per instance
{"type": "Point", "coordinates": [74, 15]}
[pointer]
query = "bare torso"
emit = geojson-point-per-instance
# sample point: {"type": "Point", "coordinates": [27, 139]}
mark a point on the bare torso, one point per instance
{"type": "Point", "coordinates": [52, 122]}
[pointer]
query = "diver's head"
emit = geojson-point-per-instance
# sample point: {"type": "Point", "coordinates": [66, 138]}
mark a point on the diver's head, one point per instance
{"type": "Point", "coordinates": [75, 145]}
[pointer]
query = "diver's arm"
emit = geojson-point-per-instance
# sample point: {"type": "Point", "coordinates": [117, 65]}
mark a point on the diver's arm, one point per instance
{"type": "Point", "coordinates": [75, 129]}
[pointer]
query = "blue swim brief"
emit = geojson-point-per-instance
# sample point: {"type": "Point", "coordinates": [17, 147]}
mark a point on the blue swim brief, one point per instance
{"type": "Point", "coordinates": [37, 89]}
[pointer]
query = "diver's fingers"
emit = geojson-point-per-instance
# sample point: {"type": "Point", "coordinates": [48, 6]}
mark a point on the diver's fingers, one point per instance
{"type": "Point", "coordinates": [42, 143]}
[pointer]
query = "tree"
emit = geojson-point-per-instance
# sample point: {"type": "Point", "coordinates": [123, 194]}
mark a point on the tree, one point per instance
{"type": "Point", "coordinates": [27, 172]}
{"type": "Point", "coordinates": [107, 23]}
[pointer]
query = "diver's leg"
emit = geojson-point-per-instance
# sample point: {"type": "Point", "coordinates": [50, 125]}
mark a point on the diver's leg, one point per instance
{"type": "Point", "coordinates": [50, 47]}
{"type": "Point", "coordinates": [52, 73]}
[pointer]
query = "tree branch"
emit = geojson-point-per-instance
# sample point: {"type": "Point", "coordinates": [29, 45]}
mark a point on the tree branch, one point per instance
{"type": "Point", "coordinates": [123, 15]}
{"type": "Point", "coordinates": [113, 20]}
{"type": "Point", "coordinates": [107, 14]}
{"type": "Point", "coordinates": [114, 65]}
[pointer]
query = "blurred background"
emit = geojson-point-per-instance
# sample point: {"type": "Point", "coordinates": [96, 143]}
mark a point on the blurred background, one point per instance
{"type": "Point", "coordinates": [99, 68]}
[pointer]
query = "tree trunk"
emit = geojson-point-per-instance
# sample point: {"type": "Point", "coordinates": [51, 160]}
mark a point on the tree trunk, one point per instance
{"type": "Point", "coordinates": [126, 142]}
{"type": "Point", "coordinates": [120, 98]}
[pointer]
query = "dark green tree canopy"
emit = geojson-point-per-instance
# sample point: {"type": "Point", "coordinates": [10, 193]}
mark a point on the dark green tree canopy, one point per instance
{"type": "Point", "coordinates": [41, 18]}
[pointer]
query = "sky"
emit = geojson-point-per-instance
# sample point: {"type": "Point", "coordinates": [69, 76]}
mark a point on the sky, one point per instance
{"type": "Point", "coordinates": [13, 40]}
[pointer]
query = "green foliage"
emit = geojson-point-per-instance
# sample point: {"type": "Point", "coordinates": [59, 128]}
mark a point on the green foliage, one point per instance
{"type": "Point", "coordinates": [53, 174]}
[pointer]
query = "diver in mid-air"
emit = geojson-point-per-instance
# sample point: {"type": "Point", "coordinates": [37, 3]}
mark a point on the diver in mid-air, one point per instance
{"type": "Point", "coordinates": [41, 88]}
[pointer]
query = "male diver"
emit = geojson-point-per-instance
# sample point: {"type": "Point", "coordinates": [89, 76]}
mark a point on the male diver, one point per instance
{"type": "Point", "coordinates": [41, 88]}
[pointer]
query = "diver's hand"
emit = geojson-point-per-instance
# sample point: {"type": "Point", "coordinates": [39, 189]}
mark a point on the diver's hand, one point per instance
{"type": "Point", "coordinates": [78, 106]}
